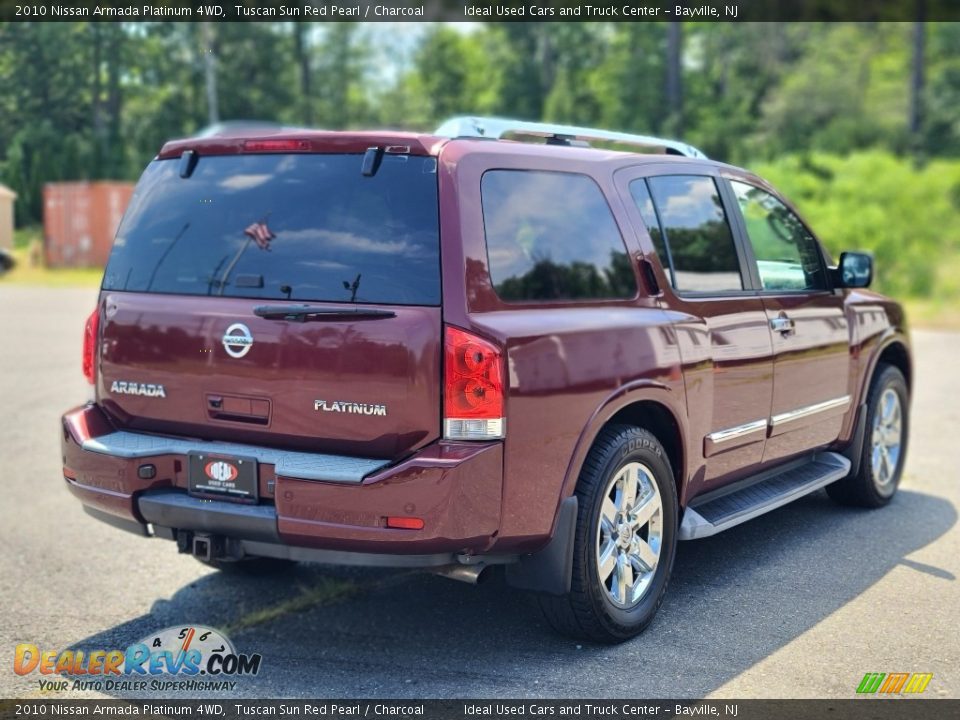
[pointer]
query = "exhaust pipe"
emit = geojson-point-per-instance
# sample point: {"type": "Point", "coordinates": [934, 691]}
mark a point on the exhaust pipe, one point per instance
{"type": "Point", "coordinates": [472, 574]}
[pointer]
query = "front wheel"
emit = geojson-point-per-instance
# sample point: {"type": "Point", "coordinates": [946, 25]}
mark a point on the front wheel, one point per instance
{"type": "Point", "coordinates": [885, 445]}
{"type": "Point", "coordinates": [625, 541]}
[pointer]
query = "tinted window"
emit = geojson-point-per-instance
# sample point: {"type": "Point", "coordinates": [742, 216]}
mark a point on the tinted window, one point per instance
{"type": "Point", "coordinates": [788, 257]}
{"type": "Point", "coordinates": [299, 227]}
{"type": "Point", "coordinates": [551, 236]}
{"type": "Point", "coordinates": [697, 233]}
{"type": "Point", "coordinates": [641, 196]}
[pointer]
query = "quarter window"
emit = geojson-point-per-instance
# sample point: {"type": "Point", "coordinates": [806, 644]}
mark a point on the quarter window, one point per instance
{"type": "Point", "coordinates": [788, 257]}
{"type": "Point", "coordinates": [641, 196]}
{"type": "Point", "coordinates": [551, 236]}
{"type": "Point", "coordinates": [697, 236]}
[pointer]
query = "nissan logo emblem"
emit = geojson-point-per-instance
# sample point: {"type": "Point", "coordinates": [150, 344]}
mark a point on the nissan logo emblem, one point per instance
{"type": "Point", "coordinates": [237, 340]}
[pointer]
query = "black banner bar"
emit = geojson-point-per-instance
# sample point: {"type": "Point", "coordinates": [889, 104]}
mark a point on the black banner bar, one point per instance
{"type": "Point", "coordinates": [480, 10]}
{"type": "Point", "coordinates": [229, 709]}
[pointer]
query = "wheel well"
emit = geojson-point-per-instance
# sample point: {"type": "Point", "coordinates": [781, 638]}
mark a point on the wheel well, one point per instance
{"type": "Point", "coordinates": [896, 354]}
{"type": "Point", "coordinates": [656, 418]}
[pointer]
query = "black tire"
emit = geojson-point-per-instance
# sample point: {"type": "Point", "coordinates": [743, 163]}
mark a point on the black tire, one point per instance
{"type": "Point", "coordinates": [588, 612]}
{"type": "Point", "coordinates": [864, 488]}
{"type": "Point", "coordinates": [251, 566]}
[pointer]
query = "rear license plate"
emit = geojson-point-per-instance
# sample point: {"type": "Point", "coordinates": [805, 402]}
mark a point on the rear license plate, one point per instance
{"type": "Point", "coordinates": [221, 476]}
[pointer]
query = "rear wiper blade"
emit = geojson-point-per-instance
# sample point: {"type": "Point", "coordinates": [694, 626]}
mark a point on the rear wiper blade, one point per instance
{"type": "Point", "coordinates": [302, 313]}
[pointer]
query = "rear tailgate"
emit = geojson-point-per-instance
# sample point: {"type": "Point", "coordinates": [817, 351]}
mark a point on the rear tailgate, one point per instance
{"type": "Point", "coordinates": [185, 351]}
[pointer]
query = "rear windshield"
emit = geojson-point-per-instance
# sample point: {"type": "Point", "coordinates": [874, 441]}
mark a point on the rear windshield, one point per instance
{"type": "Point", "coordinates": [283, 227]}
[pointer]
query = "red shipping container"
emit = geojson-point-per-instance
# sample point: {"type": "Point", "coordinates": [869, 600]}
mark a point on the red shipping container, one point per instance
{"type": "Point", "coordinates": [80, 220]}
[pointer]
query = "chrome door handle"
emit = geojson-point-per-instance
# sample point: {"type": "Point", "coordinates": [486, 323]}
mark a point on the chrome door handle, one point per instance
{"type": "Point", "coordinates": [782, 325]}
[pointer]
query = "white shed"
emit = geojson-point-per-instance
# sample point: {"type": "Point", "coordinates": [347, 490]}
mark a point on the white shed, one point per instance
{"type": "Point", "coordinates": [7, 197]}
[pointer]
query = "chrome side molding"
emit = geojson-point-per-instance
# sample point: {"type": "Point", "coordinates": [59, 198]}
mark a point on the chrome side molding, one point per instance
{"type": "Point", "coordinates": [808, 410]}
{"type": "Point", "coordinates": [728, 438]}
{"type": "Point", "coordinates": [738, 431]}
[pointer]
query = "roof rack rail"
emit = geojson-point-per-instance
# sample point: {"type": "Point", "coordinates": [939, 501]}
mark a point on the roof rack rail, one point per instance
{"type": "Point", "coordinates": [496, 128]}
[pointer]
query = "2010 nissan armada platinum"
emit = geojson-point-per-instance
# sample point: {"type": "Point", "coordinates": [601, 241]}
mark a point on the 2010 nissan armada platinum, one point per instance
{"type": "Point", "coordinates": [492, 345]}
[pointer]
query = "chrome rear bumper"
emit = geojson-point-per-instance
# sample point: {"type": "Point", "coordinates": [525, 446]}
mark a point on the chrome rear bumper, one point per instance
{"type": "Point", "coordinates": [299, 465]}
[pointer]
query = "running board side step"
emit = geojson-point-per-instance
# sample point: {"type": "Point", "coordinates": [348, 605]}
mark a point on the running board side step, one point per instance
{"type": "Point", "coordinates": [717, 511]}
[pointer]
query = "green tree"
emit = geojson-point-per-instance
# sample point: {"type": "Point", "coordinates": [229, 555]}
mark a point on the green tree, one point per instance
{"type": "Point", "coordinates": [847, 90]}
{"type": "Point", "coordinates": [625, 80]}
{"type": "Point", "coordinates": [941, 128]}
{"type": "Point", "coordinates": [523, 55]}
{"type": "Point", "coordinates": [577, 49]}
{"type": "Point", "coordinates": [45, 119]}
{"type": "Point", "coordinates": [256, 72]}
{"type": "Point", "coordinates": [448, 76]}
{"type": "Point", "coordinates": [342, 70]}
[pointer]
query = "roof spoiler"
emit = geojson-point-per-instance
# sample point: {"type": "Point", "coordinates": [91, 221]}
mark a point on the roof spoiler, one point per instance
{"type": "Point", "coordinates": [497, 128]}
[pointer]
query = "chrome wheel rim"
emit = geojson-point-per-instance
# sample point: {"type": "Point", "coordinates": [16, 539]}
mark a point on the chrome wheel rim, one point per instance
{"type": "Point", "coordinates": [886, 441]}
{"type": "Point", "coordinates": [629, 535]}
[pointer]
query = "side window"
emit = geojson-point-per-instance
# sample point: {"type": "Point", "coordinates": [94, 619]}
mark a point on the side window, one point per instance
{"type": "Point", "coordinates": [788, 257]}
{"type": "Point", "coordinates": [641, 196]}
{"type": "Point", "coordinates": [696, 233]}
{"type": "Point", "coordinates": [552, 236]}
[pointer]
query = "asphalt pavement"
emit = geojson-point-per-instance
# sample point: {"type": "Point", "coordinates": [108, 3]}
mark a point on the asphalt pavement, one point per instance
{"type": "Point", "coordinates": [798, 603]}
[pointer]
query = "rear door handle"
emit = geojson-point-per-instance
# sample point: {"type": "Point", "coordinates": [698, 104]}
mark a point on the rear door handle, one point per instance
{"type": "Point", "coordinates": [782, 324]}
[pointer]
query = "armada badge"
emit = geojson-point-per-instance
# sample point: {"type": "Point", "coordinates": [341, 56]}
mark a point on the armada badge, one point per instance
{"type": "Point", "coordinates": [124, 387]}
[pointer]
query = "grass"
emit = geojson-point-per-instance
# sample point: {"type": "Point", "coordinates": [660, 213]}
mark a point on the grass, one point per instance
{"type": "Point", "coordinates": [25, 273]}
{"type": "Point", "coordinates": [934, 314]}
{"type": "Point", "coordinates": [22, 237]}
{"type": "Point", "coordinates": [941, 311]}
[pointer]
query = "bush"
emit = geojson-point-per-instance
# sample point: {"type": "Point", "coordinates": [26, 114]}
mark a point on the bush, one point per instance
{"type": "Point", "coordinates": [907, 216]}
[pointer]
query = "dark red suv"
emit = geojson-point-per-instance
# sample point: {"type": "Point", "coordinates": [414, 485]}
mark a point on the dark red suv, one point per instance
{"type": "Point", "coordinates": [458, 350]}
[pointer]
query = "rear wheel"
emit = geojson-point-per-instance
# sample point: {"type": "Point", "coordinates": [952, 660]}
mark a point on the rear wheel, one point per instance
{"type": "Point", "coordinates": [885, 444]}
{"type": "Point", "coordinates": [625, 539]}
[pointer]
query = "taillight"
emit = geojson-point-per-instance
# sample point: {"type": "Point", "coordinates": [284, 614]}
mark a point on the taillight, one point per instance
{"type": "Point", "coordinates": [90, 335]}
{"type": "Point", "coordinates": [472, 388]}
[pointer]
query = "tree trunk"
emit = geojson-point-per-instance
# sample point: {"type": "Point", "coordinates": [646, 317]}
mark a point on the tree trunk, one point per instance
{"type": "Point", "coordinates": [674, 122]}
{"type": "Point", "coordinates": [210, 72]}
{"type": "Point", "coordinates": [97, 105]}
{"type": "Point", "coordinates": [114, 150]}
{"type": "Point", "coordinates": [918, 73]}
{"type": "Point", "coordinates": [302, 48]}
{"type": "Point", "coordinates": [545, 57]}
{"type": "Point", "coordinates": [341, 75]}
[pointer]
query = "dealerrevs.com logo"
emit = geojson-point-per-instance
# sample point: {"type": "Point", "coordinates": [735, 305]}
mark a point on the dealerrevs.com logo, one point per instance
{"type": "Point", "coordinates": [191, 657]}
{"type": "Point", "coordinates": [898, 683]}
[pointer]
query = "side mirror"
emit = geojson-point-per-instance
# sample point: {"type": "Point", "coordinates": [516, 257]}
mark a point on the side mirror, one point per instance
{"type": "Point", "coordinates": [854, 271]}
